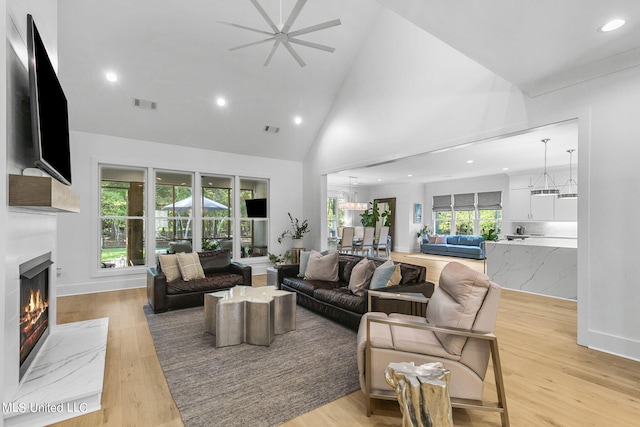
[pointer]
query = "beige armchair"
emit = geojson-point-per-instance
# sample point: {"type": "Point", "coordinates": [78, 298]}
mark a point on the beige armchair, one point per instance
{"type": "Point", "coordinates": [457, 331]}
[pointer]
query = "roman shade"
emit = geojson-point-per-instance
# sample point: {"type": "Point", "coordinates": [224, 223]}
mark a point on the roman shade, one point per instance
{"type": "Point", "coordinates": [491, 200]}
{"type": "Point", "coordinates": [441, 203]}
{"type": "Point", "coordinates": [464, 202]}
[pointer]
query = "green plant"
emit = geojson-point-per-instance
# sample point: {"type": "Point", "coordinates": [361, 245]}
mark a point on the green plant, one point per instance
{"type": "Point", "coordinates": [280, 259]}
{"type": "Point", "coordinates": [210, 244]}
{"type": "Point", "coordinates": [424, 231]}
{"type": "Point", "coordinates": [369, 217]}
{"type": "Point", "coordinates": [296, 231]}
{"type": "Point", "coordinates": [490, 235]}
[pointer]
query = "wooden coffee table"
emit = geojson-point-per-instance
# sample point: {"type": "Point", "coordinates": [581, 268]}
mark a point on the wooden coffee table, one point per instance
{"type": "Point", "coordinates": [249, 314]}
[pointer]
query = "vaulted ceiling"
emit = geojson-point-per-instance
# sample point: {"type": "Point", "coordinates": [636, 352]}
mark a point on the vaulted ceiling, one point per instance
{"type": "Point", "coordinates": [177, 55]}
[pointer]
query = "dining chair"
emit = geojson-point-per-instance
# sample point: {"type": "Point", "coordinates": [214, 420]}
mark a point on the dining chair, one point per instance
{"type": "Point", "coordinates": [346, 242]}
{"type": "Point", "coordinates": [367, 241]}
{"type": "Point", "coordinates": [381, 243]}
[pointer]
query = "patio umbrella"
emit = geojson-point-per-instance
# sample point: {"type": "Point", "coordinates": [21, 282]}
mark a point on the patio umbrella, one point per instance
{"type": "Point", "coordinates": [186, 204]}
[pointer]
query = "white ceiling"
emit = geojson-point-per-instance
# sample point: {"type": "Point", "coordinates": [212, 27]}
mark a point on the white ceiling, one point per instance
{"type": "Point", "coordinates": [176, 54]}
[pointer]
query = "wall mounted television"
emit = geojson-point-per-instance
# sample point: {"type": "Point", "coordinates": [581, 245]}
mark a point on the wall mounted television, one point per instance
{"type": "Point", "coordinates": [49, 113]}
{"type": "Point", "coordinates": [256, 208]}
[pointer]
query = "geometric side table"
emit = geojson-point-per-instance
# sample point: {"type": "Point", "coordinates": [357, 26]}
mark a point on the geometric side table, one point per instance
{"type": "Point", "coordinates": [248, 314]}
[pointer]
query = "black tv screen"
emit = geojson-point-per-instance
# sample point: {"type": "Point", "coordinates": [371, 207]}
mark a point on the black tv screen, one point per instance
{"type": "Point", "coordinates": [49, 113]}
{"type": "Point", "coordinates": [256, 208]}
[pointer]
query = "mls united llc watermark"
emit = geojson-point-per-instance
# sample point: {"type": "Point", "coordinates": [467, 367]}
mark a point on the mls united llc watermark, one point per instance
{"type": "Point", "coordinates": [24, 407]}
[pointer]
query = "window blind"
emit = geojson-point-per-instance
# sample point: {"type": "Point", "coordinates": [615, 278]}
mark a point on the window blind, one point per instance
{"type": "Point", "coordinates": [464, 202]}
{"type": "Point", "coordinates": [441, 203]}
{"type": "Point", "coordinates": [491, 200]}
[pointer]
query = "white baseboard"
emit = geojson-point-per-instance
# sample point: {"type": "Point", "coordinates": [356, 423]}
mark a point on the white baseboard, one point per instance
{"type": "Point", "coordinates": [618, 346]}
{"type": "Point", "coordinates": [117, 284]}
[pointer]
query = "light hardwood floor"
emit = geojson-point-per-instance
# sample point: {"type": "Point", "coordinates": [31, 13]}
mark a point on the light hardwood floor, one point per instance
{"type": "Point", "coordinates": [550, 380]}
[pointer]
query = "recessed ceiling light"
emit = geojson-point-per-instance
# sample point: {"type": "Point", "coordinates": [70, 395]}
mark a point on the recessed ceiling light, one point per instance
{"type": "Point", "coordinates": [111, 76]}
{"type": "Point", "coordinates": [469, 161]}
{"type": "Point", "coordinates": [221, 101]}
{"type": "Point", "coordinates": [297, 120]}
{"type": "Point", "coordinates": [379, 179]}
{"type": "Point", "coordinates": [614, 24]}
{"type": "Point", "coordinates": [505, 169]}
{"type": "Point", "coordinates": [409, 175]}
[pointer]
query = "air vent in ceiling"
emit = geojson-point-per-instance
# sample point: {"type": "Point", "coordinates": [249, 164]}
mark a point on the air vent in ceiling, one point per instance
{"type": "Point", "coordinates": [271, 129]}
{"type": "Point", "coordinates": [145, 104]}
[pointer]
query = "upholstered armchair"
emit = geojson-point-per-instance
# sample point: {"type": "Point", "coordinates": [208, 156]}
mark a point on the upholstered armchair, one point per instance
{"type": "Point", "coordinates": [457, 331]}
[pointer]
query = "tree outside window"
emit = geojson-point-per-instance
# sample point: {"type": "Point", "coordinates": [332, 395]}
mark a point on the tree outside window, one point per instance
{"type": "Point", "coordinates": [122, 242]}
{"type": "Point", "coordinates": [442, 221]}
{"type": "Point", "coordinates": [464, 222]}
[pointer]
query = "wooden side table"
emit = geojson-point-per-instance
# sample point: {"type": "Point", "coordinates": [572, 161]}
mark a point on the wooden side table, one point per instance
{"type": "Point", "coordinates": [295, 255]}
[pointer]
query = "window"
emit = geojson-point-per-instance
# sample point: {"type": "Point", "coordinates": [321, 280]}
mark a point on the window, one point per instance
{"type": "Point", "coordinates": [122, 217]}
{"type": "Point", "coordinates": [467, 216]}
{"type": "Point", "coordinates": [490, 210]}
{"type": "Point", "coordinates": [464, 222]}
{"type": "Point", "coordinates": [464, 205]}
{"type": "Point", "coordinates": [335, 216]}
{"type": "Point", "coordinates": [217, 212]}
{"type": "Point", "coordinates": [254, 222]}
{"type": "Point", "coordinates": [442, 216]}
{"type": "Point", "coordinates": [173, 210]}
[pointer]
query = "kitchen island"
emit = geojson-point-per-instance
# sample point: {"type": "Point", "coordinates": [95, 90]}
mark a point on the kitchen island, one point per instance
{"type": "Point", "coordinates": [541, 265]}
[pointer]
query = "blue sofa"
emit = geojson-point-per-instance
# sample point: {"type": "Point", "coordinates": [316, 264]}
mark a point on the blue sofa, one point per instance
{"type": "Point", "coordinates": [460, 246]}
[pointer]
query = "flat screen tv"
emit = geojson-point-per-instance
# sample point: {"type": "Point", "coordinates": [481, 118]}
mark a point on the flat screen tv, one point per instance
{"type": "Point", "coordinates": [256, 208]}
{"type": "Point", "coordinates": [49, 113]}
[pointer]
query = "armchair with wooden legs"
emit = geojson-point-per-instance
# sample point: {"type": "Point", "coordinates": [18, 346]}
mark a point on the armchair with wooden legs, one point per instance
{"type": "Point", "coordinates": [457, 331]}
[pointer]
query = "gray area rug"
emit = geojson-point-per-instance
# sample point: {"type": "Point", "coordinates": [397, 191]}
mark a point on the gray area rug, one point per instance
{"type": "Point", "coordinates": [247, 385]}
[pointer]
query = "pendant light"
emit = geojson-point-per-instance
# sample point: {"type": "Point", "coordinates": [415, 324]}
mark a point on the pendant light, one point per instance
{"type": "Point", "coordinates": [548, 187]}
{"type": "Point", "coordinates": [351, 204]}
{"type": "Point", "coordinates": [571, 186]}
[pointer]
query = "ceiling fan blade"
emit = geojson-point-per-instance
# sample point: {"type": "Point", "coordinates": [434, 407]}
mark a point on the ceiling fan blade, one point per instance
{"type": "Point", "coordinates": [294, 15]}
{"type": "Point", "coordinates": [275, 46]}
{"type": "Point", "coordinates": [252, 44]}
{"type": "Point", "coordinates": [265, 16]}
{"type": "Point", "coordinates": [294, 54]}
{"type": "Point", "coordinates": [317, 27]}
{"type": "Point", "coordinates": [245, 28]}
{"type": "Point", "coordinates": [314, 45]}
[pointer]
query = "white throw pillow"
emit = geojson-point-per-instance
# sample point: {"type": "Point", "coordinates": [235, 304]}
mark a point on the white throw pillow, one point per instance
{"type": "Point", "coordinates": [190, 267]}
{"type": "Point", "coordinates": [169, 266]}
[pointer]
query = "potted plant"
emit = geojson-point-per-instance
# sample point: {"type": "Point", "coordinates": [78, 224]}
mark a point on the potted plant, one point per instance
{"type": "Point", "coordinates": [280, 259]}
{"type": "Point", "coordinates": [424, 231]}
{"type": "Point", "coordinates": [490, 235]}
{"type": "Point", "coordinates": [296, 231]}
{"type": "Point", "coordinates": [369, 217]}
{"type": "Point", "coordinates": [210, 244]}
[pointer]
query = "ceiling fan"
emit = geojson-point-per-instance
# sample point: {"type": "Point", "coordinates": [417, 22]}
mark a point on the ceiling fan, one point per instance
{"type": "Point", "coordinates": [283, 35]}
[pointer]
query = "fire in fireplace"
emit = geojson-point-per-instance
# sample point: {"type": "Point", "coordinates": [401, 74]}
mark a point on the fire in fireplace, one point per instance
{"type": "Point", "coordinates": [34, 308]}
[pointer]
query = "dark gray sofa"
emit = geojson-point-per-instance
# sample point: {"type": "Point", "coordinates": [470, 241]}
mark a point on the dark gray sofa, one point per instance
{"type": "Point", "coordinates": [220, 274]}
{"type": "Point", "coordinates": [334, 299]}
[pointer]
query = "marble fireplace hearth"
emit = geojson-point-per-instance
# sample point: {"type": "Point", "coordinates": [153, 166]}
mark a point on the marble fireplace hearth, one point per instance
{"type": "Point", "coordinates": [66, 378]}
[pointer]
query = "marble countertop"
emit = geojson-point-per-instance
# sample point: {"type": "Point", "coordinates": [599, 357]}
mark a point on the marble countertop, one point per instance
{"type": "Point", "coordinates": [553, 242]}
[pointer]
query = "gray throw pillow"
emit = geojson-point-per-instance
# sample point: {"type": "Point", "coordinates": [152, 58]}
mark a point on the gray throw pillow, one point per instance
{"type": "Point", "coordinates": [387, 274]}
{"type": "Point", "coordinates": [322, 267]}
{"type": "Point", "coordinates": [304, 261]}
{"type": "Point", "coordinates": [361, 276]}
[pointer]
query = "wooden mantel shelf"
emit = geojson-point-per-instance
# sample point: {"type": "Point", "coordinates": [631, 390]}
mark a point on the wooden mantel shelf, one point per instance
{"type": "Point", "coordinates": [43, 193]}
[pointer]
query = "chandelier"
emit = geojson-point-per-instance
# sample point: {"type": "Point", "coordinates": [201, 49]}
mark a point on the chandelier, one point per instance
{"type": "Point", "coordinates": [572, 185]}
{"type": "Point", "coordinates": [548, 187]}
{"type": "Point", "coordinates": [350, 204]}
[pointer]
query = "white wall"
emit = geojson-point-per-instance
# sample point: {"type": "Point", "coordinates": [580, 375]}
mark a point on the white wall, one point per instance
{"type": "Point", "coordinates": [24, 233]}
{"type": "Point", "coordinates": [78, 234]}
{"type": "Point", "coordinates": [396, 102]}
